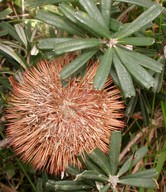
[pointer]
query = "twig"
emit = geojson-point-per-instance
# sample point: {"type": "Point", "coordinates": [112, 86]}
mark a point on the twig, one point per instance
{"type": "Point", "coordinates": [157, 122]}
{"type": "Point", "coordinates": [131, 143]}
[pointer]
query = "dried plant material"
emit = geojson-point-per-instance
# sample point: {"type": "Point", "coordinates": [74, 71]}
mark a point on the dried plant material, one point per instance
{"type": "Point", "coordinates": [51, 124]}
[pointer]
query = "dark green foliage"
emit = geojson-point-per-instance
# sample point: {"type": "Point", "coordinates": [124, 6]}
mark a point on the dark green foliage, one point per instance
{"type": "Point", "coordinates": [92, 21]}
{"type": "Point", "coordinates": [113, 175]}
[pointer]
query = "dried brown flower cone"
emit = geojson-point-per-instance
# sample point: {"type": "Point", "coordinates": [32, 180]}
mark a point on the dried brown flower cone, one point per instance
{"type": "Point", "coordinates": [51, 124]}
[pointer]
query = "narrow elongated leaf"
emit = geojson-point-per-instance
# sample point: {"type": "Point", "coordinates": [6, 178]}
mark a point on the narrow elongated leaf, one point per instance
{"type": "Point", "coordinates": [137, 41]}
{"type": "Point", "coordinates": [37, 3]}
{"type": "Point", "coordinates": [73, 170]}
{"type": "Point", "coordinates": [147, 52]}
{"type": "Point", "coordinates": [106, 10]}
{"type": "Point", "coordinates": [90, 22]}
{"type": "Point", "coordinates": [21, 33]}
{"type": "Point", "coordinates": [91, 8]}
{"type": "Point", "coordinates": [58, 21]}
{"type": "Point", "coordinates": [91, 175]}
{"type": "Point", "coordinates": [115, 25]}
{"type": "Point", "coordinates": [145, 18]}
{"type": "Point", "coordinates": [68, 11]}
{"type": "Point", "coordinates": [144, 60]}
{"type": "Point", "coordinates": [138, 72]}
{"type": "Point", "coordinates": [90, 164]}
{"type": "Point", "coordinates": [159, 77]}
{"type": "Point", "coordinates": [124, 77]}
{"type": "Point", "coordinates": [140, 182]}
{"type": "Point", "coordinates": [114, 150]}
{"type": "Point", "coordinates": [149, 173]}
{"type": "Point", "coordinates": [143, 3]}
{"type": "Point", "coordinates": [159, 82]}
{"type": "Point", "coordinates": [67, 185]}
{"type": "Point", "coordinates": [12, 45]}
{"type": "Point", "coordinates": [105, 188]}
{"type": "Point", "coordinates": [39, 185]}
{"type": "Point", "coordinates": [76, 44]}
{"type": "Point", "coordinates": [5, 12]}
{"type": "Point", "coordinates": [76, 64]}
{"type": "Point", "coordinates": [133, 160]}
{"type": "Point", "coordinates": [144, 110]}
{"type": "Point", "coordinates": [131, 105]}
{"type": "Point", "coordinates": [101, 160]}
{"type": "Point", "coordinates": [160, 159]}
{"type": "Point", "coordinates": [8, 50]}
{"type": "Point", "coordinates": [114, 76]}
{"type": "Point", "coordinates": [11, 31]}
{"type": "Point", "coordinates": [49, 43]}
{"type": "Point", "coordinates": [3, 33]}
{"type": "Point", "coordinates": [103, 69]}
{"type": "Point", "coordinates": [148, 105]}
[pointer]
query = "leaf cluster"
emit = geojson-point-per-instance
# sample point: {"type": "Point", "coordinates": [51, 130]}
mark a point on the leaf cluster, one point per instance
{"type": "Point", "coordinates": [102, 172]}
{"type": "Point", "coordinates": [93, 30]}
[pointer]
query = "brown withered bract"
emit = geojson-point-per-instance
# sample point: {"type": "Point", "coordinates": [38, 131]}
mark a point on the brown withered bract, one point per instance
{"type": "Point", "coordinates": [51, 124]}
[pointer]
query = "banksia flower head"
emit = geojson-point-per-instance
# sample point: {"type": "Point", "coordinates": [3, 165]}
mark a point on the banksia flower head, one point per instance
{"type": "Point", "coordinates": [51, 124]}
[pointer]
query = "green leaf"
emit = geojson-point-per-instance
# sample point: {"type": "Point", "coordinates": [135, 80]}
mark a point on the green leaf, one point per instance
{"type": "Point", "coordinates": [159, 77]}
{"type": "Point", "coordinates": [92, 24]}
{"type": "Point", "coordinates": [89, 163]}
{"type": "Point", "coordinates": [39, 185]}
{"type": "Point", "coordinates": [115, 25]}
{"type": "Point", "coordinates": [8, 50]}
{"type": "Point", "coordinates": [101, 160]}
{"type": "Point", "coordinates": [68, 11]}
{"type": "Point", "coordinates": [12, 45]}
{"type": "Point", "coordinates": [3, 33]}
{"type": "Point", "coordinates": [137, 41]}
{"type": "Point", "coordinates": [142, 76]}
{"type": "Point", "coordinates": [49, 43]}
{"type": "Point", "coordinates": [124, 77]}
{"type": "Point", "coordinates": [91, 175]}
{"type": "Point", "coordinates": [161, 157]}
{"type": "Point", "coordinates": [21, 33]}
{"type": "Point", "coordinates": [103, 69]}
{"type": "Point", "coordinates": [5, 12]}
{"type": "Point", "coordinates": [72, 170]}
{"type": "Point", "coordinates": [37, 3]}
{"type": "Point", "coordinates": [11, 31]}
{"type": "Point", "coordinates": [91, 8]}
{"type": "Point", "coordinates": [114, 150]}
{"type": "Point", "coordinates": [76, 64]}
{"type": "Point", "coordinates": [105, 188]}
{"type": "Point", "coordinates": [143, 3]}
{"type": "Point", "coordinates": [114, 76]}
{"type": "Point", "coordinates": [58, 21]}
{"type": "Point", "coordinates": [106, 10]}
{"type": "Point", "coordinates": [149, 173]}
{"type": "Point", "coordinates": [142, 20]}
{"type": "Point", "coordinates": [131, 106]}
{"type": "Point", "coordinates": [144, 60]}
{"type": "Point", "coordinates": [140, 182]}
{"type": "Point", "coordinates": [67, 185]}
{"type": "Point", "coordinates": [144, 110]}
{"type": "Point", "coordinates": [133, 160]}
{"type": "Point", "coordinates": [76, 44]}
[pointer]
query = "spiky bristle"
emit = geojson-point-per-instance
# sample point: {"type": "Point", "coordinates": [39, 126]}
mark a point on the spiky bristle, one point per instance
{"type": "Point", "coordinates": [51, 124]}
